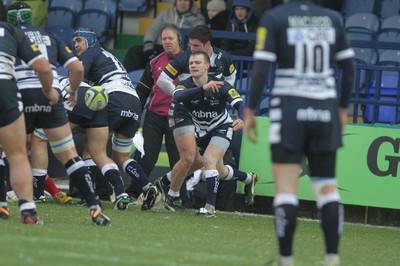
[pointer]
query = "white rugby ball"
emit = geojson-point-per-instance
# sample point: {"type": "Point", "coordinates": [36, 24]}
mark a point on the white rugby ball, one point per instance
{"type": "Point", "coordinates": [96, 98]}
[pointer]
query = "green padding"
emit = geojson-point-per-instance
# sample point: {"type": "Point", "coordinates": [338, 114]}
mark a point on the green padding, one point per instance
{"type": "Point", "coordinates": [367, 169]}
{"type": "Point", "coordinates": [125, 41]}
{"type": "Point", "coordinates": [119, 54]}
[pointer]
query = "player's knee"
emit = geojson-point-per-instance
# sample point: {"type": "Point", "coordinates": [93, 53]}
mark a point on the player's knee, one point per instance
{"type": "Point", "coordinates": [325, 190]}
{"type": "Point", "coordinates": [62, 145]}
{"type": "Point", "coordinates": [122, 145]}
{"type": "Point", "coordinates": [188, 160]}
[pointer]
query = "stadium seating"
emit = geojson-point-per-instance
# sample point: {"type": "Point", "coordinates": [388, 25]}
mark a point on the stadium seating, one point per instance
{"type": "Point", "coordinates": [389, 8]}
{"type": "Point", "coordinates": [60, 16]}
{"type": "Point", "coordinates": [138, 6]}
{"type": "Point", "coordinates": [367, 56]}
{"type": "Point", "coordinates": [362, 26]}
{"type": "Point", "coordinates": [7, 2]}
{"type": "Point", "coordinates": [63, 32]}
{"type": "Point", "coordinates": [387, 91]}
{"type": "Point", "coordinates": [389, 31]}
{"type": "Point", "coordinates": [161, 6]}
{"type": "Point", "coordinates": [135, 76]}
{"type": "Point", "coordinates": [144, 24]}
{"type": "Point", "coordinates": [74, 5]}
{"type": "Point", "coordinates": [96, 20]}
{"type": "Point", "coordinates": [108, 6]}
{"type": "Point", "coordinates": [351, 7]}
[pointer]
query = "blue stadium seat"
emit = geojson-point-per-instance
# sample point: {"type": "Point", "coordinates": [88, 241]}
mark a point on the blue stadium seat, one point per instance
{"type": "Point", "coordinates": [108, 6]}
{"type": "Point", "coordinates": [132, 5]}
{"type": "Point", "coordinates": [7, 2]}
{"type": "Point", "coordinates": [389, 31]}
{"type": "Point", "coordinates": [62, 71]}
{"type": "Point", "coordinates": [60, 16]}
{"type": "Point", "coordinates": [74, 5]}
{"type": "Point", "coordinates": [96, 20]}
{"type": "Point", "coordinates": [362, 26]}
{"type": "Point", "coordinates": [351, 7]}
{"type": "Point", "coordinates": [65, 33]}
{"type": "Point", "coordinates": [138, 6]}
{"type": "Point", "coordinates": [367, 56]}
{"type": "Point", "coordinates": [135, 76]}
{"type": "Point", "coordinates": [389, 58]}
{"type": "Point", "coordinates": [389, 91]}
{"type": "Point", "coordinates": [389, 8]}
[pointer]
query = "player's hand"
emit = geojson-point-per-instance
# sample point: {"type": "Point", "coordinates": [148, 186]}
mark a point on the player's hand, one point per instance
{"type": "Point", "coordinates": [250, 127]}
{"type": "Point", "coordinates": [52, 95]}
{"type": "Point", "coordinates": [213, 86]}
{"type": "Point", "coordinates": [237, 124]}
{"type": "Point", "coordinates": [72, 97]}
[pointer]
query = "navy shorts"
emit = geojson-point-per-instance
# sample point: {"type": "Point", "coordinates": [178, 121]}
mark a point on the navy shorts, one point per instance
{"type": "Point", "coordinates": [305, 126]}
{"type": "Point", "coordinates": [224, 131]}
{"type": "Point", "coordinates": [39, 113]}
{"type": "Point", "coordinates": [84, 117]}
{"type": "Point", "coordinates": [178, 116]}
{"type": "Point", "coordinates": [10, 102]}
{"type": "Point", "coordinates": [124, 113]}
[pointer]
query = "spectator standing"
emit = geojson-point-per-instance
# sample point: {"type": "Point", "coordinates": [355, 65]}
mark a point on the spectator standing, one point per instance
{"type": "Point", "coordinates": [183, 13]}
{"type": "Point", "coordinates": [155, 124]}
{"type": "Point", "coordinates": [305, 40]}
{"type": "Point", "coordinates": [243, 20]}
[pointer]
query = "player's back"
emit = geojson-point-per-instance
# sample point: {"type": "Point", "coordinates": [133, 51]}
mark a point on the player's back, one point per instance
{"type": "Point", "coordinates": [53, 48]}
{"type": "Point", "coordinates": [302, 27]}
{"type": "Point", "coordinates": [49, 45]}
{"type": "Point", "coordinates": [305, 40]}
{"type": "Point", "coordinates": [8, 51]}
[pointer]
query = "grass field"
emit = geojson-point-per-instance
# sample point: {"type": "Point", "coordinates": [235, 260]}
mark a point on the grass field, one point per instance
{"type": "Point", "coordinates": [159, 237]}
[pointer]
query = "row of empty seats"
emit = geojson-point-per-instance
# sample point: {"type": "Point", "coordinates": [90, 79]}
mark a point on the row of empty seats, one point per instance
{"type": "Point", "coordinates": [381, 8]}
{"type": "Point", "coordinates": [99, 15]}
{"type": "Point", "coordinates": [365, 26]}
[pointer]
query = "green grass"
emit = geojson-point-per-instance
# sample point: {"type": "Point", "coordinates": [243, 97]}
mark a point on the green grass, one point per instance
{"type": "Point", "coordinates": [159, 237]}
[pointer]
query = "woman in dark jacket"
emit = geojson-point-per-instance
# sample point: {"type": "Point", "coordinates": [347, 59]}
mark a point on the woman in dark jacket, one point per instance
{"type": "Point", "coordinates": [241, 19]}
{"type": "Point", "coordinates": [217, 17]}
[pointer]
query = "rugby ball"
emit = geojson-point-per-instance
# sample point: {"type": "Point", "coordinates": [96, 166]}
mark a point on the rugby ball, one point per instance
{"type": "Point", "coordinates": [96, 98]}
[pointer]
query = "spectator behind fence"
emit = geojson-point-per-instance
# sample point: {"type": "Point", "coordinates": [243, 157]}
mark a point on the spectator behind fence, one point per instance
{"type": "Point", "coordinates": [241, 19]}
{"type": "Point", "coordinates": [258, 6]}
{"type": "Point", "coordinates": [183, 13]}
{"type": "Point", "coordinates": [217, 17]}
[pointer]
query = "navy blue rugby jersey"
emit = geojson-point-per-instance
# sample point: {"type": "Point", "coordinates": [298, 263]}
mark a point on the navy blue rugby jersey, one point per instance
{"type": "Point", "coordinates": [208, 109]}
{"type": "Point", "coordinates": [221, 66]}
{"type": "Point", "coordinates": [14, 44]}
{"type": "Point", "coordinates": [52, 47]}
{"type": "Point", "coordinates": [103, 69]}
{"type": "Point", "coordinates": [305, 48]}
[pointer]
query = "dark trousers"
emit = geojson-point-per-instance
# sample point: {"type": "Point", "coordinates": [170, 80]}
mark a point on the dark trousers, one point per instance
{"type": "Point", "coordinates": [155, 128]}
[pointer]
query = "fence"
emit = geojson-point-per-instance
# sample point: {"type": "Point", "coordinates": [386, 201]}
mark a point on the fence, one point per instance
{"type": "Point", "coordinates": [376, 93]}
